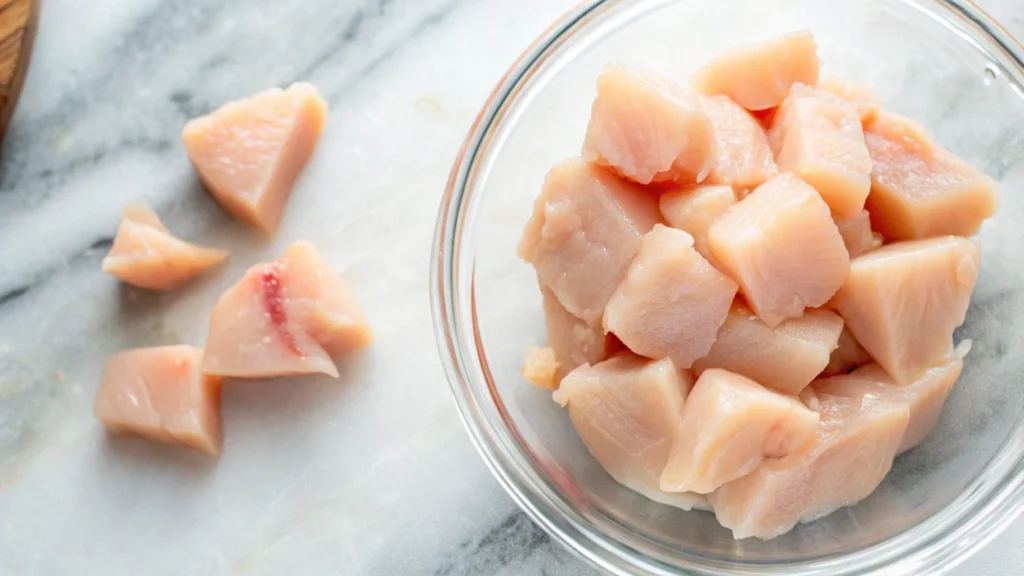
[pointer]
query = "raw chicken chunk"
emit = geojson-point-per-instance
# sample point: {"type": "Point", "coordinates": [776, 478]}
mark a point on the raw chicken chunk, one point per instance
{"type": "Point", "coordinates": [627, 410]}
{"type": "Point", "coordinates": [285, 317]}
{"type": "Point", "coordinates": [648, 129]}
{"type": "Point", "coordinates": [862, 98]}
{"type": "Point", "coordinates": [730, 424]}
{"type": "Point", "coordinates": [919, 190]}
{"type": "Point", "coordinates": [743, 157]}
{"type": "Point", "coordinates": [672, 301]}
{"type": "Point", "coordinates": [857, 234]}
{"type": "Point", "coordinates": [903, 301]}
{"type": "Point", "coordinates": [785, 358]}
{"type": "Point", "coordinates": [810, 399]}
{"type": "Point", "coordinates": [693, 209]}
{"type": "Point", "coordinates": [160, 393]}
{"type": "Point", "coordinates": [924, 397]}
{"type": "Point", "coordinates": [145, 254]}
{"type": "Point", "coordinates": [817, 136]}
{"type": "Point", "coordinates": [759, 76]}
{"type": "Point", "coordinates": [848, 355]}
{"type": "Point", "coordinates": [573, 341]}
{"type": "Point", "coordinates": [249, 153]}
{"type": "Point", "coordinates": [540, 367]}
{"type": "Point", "coordinates": [852, 452]}
{"type": "Point", "coordinates": [783, 248]}
{"type": "Point", "coordinates": [585, 230]}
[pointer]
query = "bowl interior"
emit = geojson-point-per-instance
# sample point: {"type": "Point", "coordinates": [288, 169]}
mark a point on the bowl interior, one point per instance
{"type": "Point", "coordinates": [923, 64]}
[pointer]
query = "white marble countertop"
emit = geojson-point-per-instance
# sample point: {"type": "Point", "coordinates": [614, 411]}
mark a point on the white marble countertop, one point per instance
{"type": "Point", "coordinates": [372, 474]}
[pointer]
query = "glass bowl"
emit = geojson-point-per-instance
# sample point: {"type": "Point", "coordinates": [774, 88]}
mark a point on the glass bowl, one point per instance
{"type": "Point", "coordinates": [944, 63]}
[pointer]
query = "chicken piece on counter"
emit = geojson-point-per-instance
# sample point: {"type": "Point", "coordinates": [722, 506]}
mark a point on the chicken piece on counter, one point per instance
{"type": "Point", "coordinates": [903, 301]}
{"type": "Point", "coordinates": [285, 317]}
{"type": "Point", "coordinates": [585, 230]}
{"type": "Point", "coordinates": [759, 76]}
{"type": "Point", "coordinates": [919, 190]}
{"type": "Point", "coordinates": [862, 98]}
{"type": "Point", "coordinates": [782, 247]}
{"type": "Point", "coordinates": [692, 209]}
{"type": "Point", "coordinates": [145, 254]}
{"type": "Point", "coordinates": [785, 358]}
{"type": "Point", "coordinates": [856, 442]}
{"type": "Point", "coordinates": [730, 425]}
{"type": "Point", "coordinates": [924, 397]}
{"type": "Point", "coordinates": [573, 341]}
{"type": "Point", "coordinates": [818, 136]}
{"type": "Point", "coordinates": [648, 129]}
{"type": "Point", "coordinates": [161, 394]}
{"type": "Point", "coordinates": [249, 152]}
{"type": "Point", "coordinates": [672, 301]}
{"type": "Point", "coordinates": [743, 158]}
{"type": "Point", "coordinates": [857, 234]}
{"type": "Point", "coordinates": [849, 354]}
{"type": "Point", "coordinates": [627, 410]}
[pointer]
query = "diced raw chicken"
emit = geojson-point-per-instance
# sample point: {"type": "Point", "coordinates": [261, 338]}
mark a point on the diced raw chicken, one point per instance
{"type": "Point", "coordinates": [919, 190]}
{"type": "Point", "coordinates": [783, 248]}
{"type": "Point", "coordinates": [648, 129]}
{"type": "Point", "coordinates": [852, 452]}
{"type": "Point", "coordinates": [818, 136]}
{"type": "Point", "coordinates": [857, 234]}
{"type": "Point", "coordinates": [160, 393]}
{"type": "Point", "coordinates": [730, 424]}
{"type": "Point", "coordinates": [693, 209]}
{"type": "Point", "coordinates": [249, 152]}
{"type": "Point", "coordinates": [585, 230]}
{"type": "Point", "coordinates": [759, 76]}
{"type": "Point", "coordinates": [903, 301]}
{"type": "Point", "coordinates": [540, 367]}
{"type": "Point", "coordinates": [145, 254]}
{"type": "Point", "coordinates": [627, 410]}
{"type": "Point", "coordinates": [848, 355]}
{"type": "Point", "coordinates": [289, 316]}
{"type": "Point", "coordinates": [863, 99]}
{"type": "Point", "coordinates": [810, 399]}
{"type": "Point", "coordinates": [672, 301]}
{"type": "Point", "coordinates": [785, 358]}
{"type": "Point", "coordinates": [743, 157]}
{"type": "Point", "coordinates": [924, 397]}
{"type": "Point", "coordinates": [574, 341]}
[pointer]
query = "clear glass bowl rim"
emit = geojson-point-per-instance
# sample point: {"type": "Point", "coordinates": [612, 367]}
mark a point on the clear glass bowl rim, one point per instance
{"type": "Point", "coordinates": [934, 546]}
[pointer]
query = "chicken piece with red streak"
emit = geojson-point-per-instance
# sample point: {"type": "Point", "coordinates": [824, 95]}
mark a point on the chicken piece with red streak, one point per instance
{"type": "Point", "coordinates": [285, 317]}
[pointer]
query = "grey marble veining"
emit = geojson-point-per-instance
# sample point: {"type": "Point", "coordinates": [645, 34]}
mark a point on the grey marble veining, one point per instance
{"type": "Point", "coordinates": [370, 475]}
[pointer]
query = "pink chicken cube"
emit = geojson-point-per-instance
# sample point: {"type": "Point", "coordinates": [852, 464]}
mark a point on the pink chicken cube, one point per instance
{"type": "Point", "coordinates": [285, 317]}
{"type": "Point", "coordinates": [730, 424]}
{"type": "Point", "coordinates": [145, 254]}
{"type": "Point", "coordinates": [573, 341]}
{"type": "Point", "coordinates": [672, 302]}
{"type": "Point", "coordinates": [648, 129]}
{"type": "Point", "coordinates": [849, 354]}
{"type": "Point", "coordinates": [585, 230]}
{"type": "Point", "coordinates": [759, 76]}
{"type": "Point", "coordinates": [856, 442]}
{"type": "Point", "coordinates": [903, 301]}
{"type": "Point", "coordinates": [924, 397]}
{"type": "Point", "coordinates": [693, 209]}
{"type": "Point", "coordinates": [743, 158]}
{"type": "Point", "coordinates": [857, 234]}
{"type": "Point", "coordinates": [161, 394]}
{"type": "Point", "coordinates": [782, 247]}
{"type": "Point", "coordinates": [864, 101]}
{"type": "Point", "coordinates": [540, 367]}
{"type": "Point", "coordinates": [627, 410]}
{"type": "Point", "coordinates": [919, 190]}
{"type": "Point", "coordinates": [817, 136]}
{"type": "Point", "coordinates": [249, 153]}
{"type": "Point", "coordinates": [784, 358]}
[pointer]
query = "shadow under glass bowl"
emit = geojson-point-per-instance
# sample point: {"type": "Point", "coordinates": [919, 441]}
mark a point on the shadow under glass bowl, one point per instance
{"type": "Point", "coordinates": [944, 63]}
